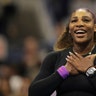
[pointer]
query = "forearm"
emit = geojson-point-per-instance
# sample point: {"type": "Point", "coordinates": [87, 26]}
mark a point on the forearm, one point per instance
{"type": "Point", "coordinates": [45, 87]}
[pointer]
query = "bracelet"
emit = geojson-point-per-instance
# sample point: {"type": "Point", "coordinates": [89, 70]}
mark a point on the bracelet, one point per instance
{"type": "Point", "coordinates": [63, 72]}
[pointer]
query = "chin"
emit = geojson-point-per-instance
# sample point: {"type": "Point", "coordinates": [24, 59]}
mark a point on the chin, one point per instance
{"type": "Point", "coordinates": [82, 41]}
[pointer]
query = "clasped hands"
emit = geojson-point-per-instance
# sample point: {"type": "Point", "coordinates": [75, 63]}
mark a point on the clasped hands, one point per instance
{"type": "Point", "coordinates": [77, 63]}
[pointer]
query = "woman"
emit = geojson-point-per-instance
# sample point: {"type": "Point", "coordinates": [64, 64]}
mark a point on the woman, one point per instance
{"type": "Point", "coordinates": [71, 70]}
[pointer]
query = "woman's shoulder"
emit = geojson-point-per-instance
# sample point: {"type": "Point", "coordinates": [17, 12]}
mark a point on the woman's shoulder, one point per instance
{"type": "Point", "coordinates": [58, 53]}
{"type": "Point", "coordinates": [54, 54]}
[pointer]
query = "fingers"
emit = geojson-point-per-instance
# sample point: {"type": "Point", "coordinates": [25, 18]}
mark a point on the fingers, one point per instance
{"type": "Point", "coordinates": [71, 58]}
{"type": "Point", "coordinates": [79, 62]}
{"type": "Point", "coordinates": [71, 61]}
{"type": "Point", "coordinates": [76, 55]}
{"type": "Point", "coordinates": [92, 57]}
{"type": "Point", "coordinates": [72, 55]}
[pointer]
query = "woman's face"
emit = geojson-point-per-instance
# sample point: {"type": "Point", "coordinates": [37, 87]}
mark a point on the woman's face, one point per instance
{"type": "Point", "coordinates": [81, 26]}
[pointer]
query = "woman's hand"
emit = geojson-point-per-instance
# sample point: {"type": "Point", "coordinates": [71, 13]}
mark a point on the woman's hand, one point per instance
{"type": "Point", "coordinates": [79, 62]}
{"type": "Point", "coordinates": [71, 69]}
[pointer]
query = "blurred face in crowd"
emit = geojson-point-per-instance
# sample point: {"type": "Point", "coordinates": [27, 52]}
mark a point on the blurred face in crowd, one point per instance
{"type": "Point", "coordinates": [31, 51]}
{"type": "Point", "coordinates": [81, 26]}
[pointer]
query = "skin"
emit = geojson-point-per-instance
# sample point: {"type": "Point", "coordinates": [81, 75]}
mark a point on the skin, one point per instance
{"type": "Point", "coordinates": [81, 20]}
{"type": "Point", "coordinates": [79, 63]}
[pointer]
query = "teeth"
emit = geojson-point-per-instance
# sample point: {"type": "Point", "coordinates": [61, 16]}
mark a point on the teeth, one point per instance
{"type": "Point", "coordinates": [80, 32]}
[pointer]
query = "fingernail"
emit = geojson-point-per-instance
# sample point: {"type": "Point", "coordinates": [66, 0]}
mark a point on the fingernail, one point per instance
{"type": "Point", "coordinates": [66, 59]}
{"type": "Point", "coordinates": [70, 52]}
{"type": "Point", "coordinates": [67, 56]}
{"type": "Point", "coordinates": [76, 53]}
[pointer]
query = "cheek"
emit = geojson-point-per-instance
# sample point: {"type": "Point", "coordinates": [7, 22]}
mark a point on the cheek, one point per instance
{"type": "Point", "coordinates": [90, 34]}
{"type": "Point", "coordinates": [90, 26]}
{"type": "Point", "coordinates": [72, 35]}
{"type": "Point", "coordinates": [90, 30]}
{"type": "Point", "coordinates": [71, 28]}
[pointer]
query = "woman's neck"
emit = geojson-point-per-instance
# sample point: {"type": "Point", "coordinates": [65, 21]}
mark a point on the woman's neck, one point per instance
{"type": "Point", "coordinates": [83, 49]}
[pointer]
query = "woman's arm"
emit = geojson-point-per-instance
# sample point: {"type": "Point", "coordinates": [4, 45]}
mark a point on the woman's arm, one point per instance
{"type": "Point", "coordinates": [47, 80]}
{"type": "Point", "coordinates": [46, 86]}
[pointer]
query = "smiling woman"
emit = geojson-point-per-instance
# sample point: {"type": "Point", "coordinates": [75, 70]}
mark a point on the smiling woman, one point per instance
{"type": "Point", "coordinates": [70, 69]}
{"type": "Point", "coordinates": [78, 26]}
{"type": "Point", "coordinates": [81, 27]}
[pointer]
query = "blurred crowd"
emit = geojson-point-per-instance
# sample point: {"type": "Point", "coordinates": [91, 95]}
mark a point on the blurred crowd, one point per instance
{"type": "Point", "coordinates": [27, 34]}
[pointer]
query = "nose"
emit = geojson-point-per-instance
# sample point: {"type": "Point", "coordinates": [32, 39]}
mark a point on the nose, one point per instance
{"type": "Point", "coordinates": [79, 24]}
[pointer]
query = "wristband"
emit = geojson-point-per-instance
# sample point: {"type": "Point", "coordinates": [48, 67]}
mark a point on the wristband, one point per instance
{"type": "Point", "coordinates": [63, 72]}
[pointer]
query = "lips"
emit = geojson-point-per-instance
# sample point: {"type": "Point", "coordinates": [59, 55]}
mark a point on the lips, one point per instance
{"type": "Point", "coordinates": [80, 31]}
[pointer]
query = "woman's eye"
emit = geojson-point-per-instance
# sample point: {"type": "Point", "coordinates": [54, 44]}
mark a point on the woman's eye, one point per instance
{"type": "Point", "coordinates": [73, 21]}
{"type": "Point", "coordinates": [86, 20]}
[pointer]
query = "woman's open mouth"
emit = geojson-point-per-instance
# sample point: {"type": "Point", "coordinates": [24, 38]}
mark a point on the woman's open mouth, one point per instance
{"type": "Point", "coordinates": [80, 33]}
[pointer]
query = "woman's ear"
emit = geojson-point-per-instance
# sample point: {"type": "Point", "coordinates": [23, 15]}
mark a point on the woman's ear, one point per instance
{"type": "Point", "coordinates": [69, 31]}
{"type": "Point", "coordinates": [95, 28]}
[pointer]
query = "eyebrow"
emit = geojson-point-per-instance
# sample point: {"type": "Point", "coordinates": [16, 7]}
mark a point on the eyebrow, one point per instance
{"type": "Point", "coordinates": [82, 16]}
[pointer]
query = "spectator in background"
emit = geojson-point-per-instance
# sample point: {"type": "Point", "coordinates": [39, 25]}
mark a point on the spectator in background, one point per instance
{"type": "Point", "coordinates": [5, 87]}
{"type": "Point", "coordinates": [31, 56]}
{"type": "Point", "coordinates": [15, 42]}
{"type": "Point", "coordinates": [24, 87]}
{"type": "Point", "coordinates": [19, 85]}
{"type": "Point", "coordinates": [3, 48]}
{"type": "Point", "coordinates": [8, 12]}
{"type": "Point", "coordinates": [58, 9]}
